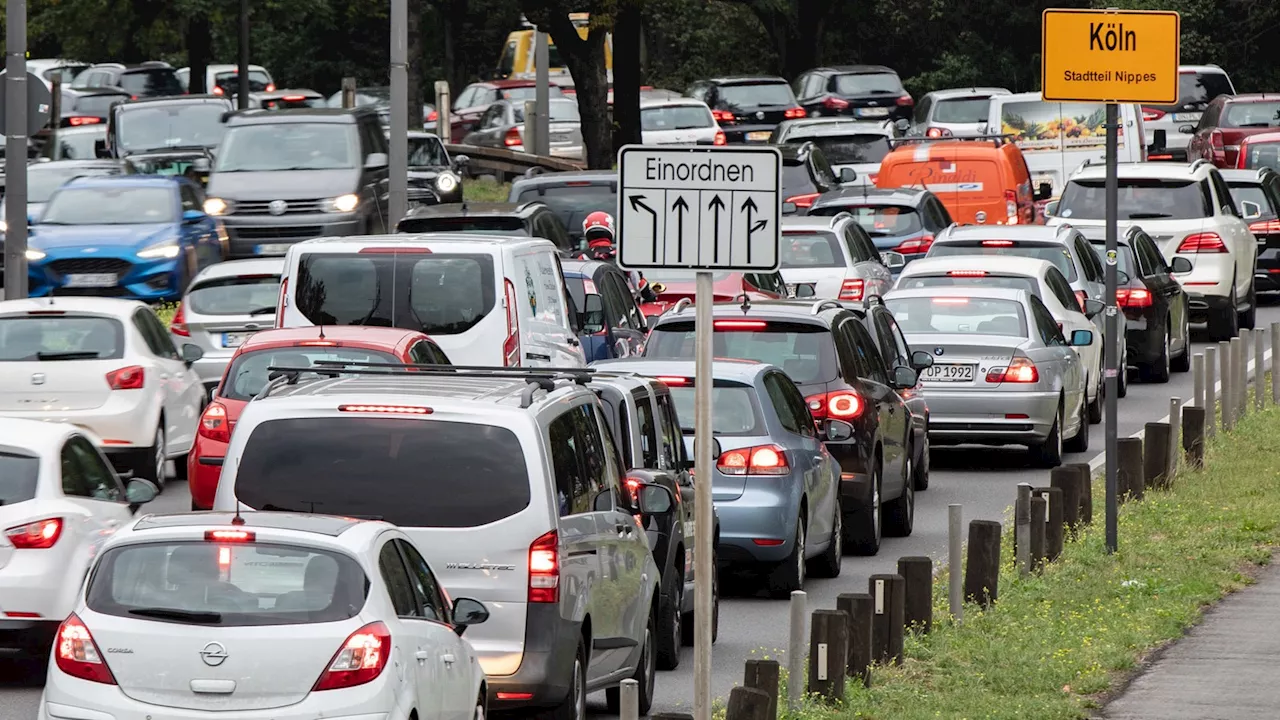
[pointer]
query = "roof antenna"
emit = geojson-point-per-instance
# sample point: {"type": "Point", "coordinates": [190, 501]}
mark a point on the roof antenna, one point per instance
{"type": "Point", "coordinates": [322, 332]}
{"type": "Point", "coordinates": [237, 520]}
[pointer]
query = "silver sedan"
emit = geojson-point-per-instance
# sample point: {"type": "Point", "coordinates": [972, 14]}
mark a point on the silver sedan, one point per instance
{"type": "Point", "coordinates": [1003, 372]}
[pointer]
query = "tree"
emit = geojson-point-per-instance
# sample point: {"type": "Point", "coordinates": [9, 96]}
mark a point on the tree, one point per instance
{"type": "Point", "coordinates": [796, 28]}
{"type": "Point", "coordinates": [627, 33]}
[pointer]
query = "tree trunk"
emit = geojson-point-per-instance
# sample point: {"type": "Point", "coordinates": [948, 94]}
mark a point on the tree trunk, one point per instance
{"type": "Point", "coordinates": [415, 53]}
{"type": "Point", "coordinates": [585, 60]}
{"type": "Point", "coordinates": [626, 76]}
{"type": "Point", "coordinates": [199, 51]}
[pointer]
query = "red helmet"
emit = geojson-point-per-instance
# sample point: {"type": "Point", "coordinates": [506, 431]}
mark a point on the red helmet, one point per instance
{"type": "Point", "coordinates": [598, 226]}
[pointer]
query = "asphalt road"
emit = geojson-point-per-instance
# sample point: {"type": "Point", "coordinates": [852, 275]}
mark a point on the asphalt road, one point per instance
{"type": "Point", "coordinates": [982, 481]}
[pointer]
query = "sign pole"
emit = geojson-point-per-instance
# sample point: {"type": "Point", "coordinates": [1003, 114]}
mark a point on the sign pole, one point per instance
{"type": "Point", "coordinates": [704, 569]}
{"type": "Point", "coordinates": [398, 164]}
{"type": "Point", "coordinates": [1111, 349]}
{"type": "Point", "coordinates": [15, 156]}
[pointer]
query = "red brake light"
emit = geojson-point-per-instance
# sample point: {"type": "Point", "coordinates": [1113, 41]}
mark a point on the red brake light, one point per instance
{"type": "Point", "coordinates": [229, 536]}
{"type": "Point", "coordinates": [512, 138]}
{"type": "Point", "coordinates": [284, 289]}
{"type": "Point", "coordinates": [300, 98]}
{"type": "Point", "coordinates": [39, 535]}
{"type": "Point", "coordinates": [739, 324]}
{"type": "Point", "coordinates": [851, 289]}
{"type": "Point", "coordinates": [1265, 227]}
{"type": "Point", "coordinates": [214, 423]}
{"type": "Point", "coordinates": [271, 87]}
{"type": "Point", "coordinates": [77, 121]}
{"type": "Point", "coordinates": [967, 273]}
{"type": "Point", "coordinates": [905, 100]}
{"type": "Point", "coordinates": [77, 654]}
{"type": "Point", "coordinates": [794, 113]}
{"type": "Point", "coordinates": [318, 343]}
{"type": "Point", "coordinates": [840, 404]}
{"type": "Point", "coordinates": [720, 138]}
{"type": "Point", "coordinates": [915, 246]}
{"type": "Point", "coordinates": [361, 659]}
{"type": "Point", "coordinates": [1150, 114]}
{"type": "Point", "coordinates": [433, 116]}
{"type": "Point", "coordinates": [544, 569]}
{"type": "Point", "coordinates": [803, 201]}
{"type": "Point", "coordinates": [937, 132]}
{"type": "Point", "coordinates": [1202, 243]}
{"type": "Point", "coordinates": [1081, 296]}
{"type": "Point", "coordinates": [997, 243]}
{"type": "Point", "coordinates": [217, 90]}
{"type": "Point", "coordinates": [178, 325]}
{"type": "Point", "coordinates": [127, 378]}
{"type": "Point", "coordinates": [950, 301]}
{"type": "Point", "coordinates": [393, 409]}
{"type": "Point", "coordinates": [835, 103]}
{"type": "Point", "coordinates": [511, 346]}
{"type": "Point", "coordinates": [1133, 297]}
{"type": "Point", "coordinates": [1020, 370]}
{"type": "Point", "coordinates": [757, 460]}
{"type": "Point", "coordinates": [677, 381]}
{"type": "Point", "coordinates": [722, 116]}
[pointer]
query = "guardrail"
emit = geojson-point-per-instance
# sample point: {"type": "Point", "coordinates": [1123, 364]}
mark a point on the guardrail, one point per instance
{"type": "Point", "coordinates": [503, 163]}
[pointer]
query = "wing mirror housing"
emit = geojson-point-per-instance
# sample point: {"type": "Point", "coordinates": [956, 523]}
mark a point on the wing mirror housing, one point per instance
{"type": "Point", "coordinates": [1180, 265]}
{"type": "Point", "coordinates": [140, 492]}
{"type": "Point", "coordinates": [100, 149]}
{"type": "Point", "coordinates": [1043, 192]}
{"type": "Point", "coordinates": [191, 353]}
{"type": "Point", "coordinates": [1051, 208]}
{"type": "Point", "coordinates": [1093, 307]}
{"type": "Point", "coordinates": [375, 161]}
{"type": "Point", "coordinates": [1187, 130]}
{"type": "Point", "coordinates": [848, 175]}
{"type": "Point", "coordinates": [1081, 338]}
{"type": "Point", "coordinates": [805, 290]}
{"type": "Point", "coordinates": [904, 377]}
{"type": "Point", "coordinates": [190, 217]}
{"type": "Point", "coordinates": [893, 260]}
{"type": "Point", "coordinates": [461, 161]}
{"type": "Point", "coordinates": [468, 612]}
{"type": "Point", "coordinates": [691, 455]}
{"type": "Point", "coordinates": [921, 360]}
{"type": "Point", "coordinates": [592, 321]}
{"type": "Point", "coordinates": [789, 208]}
{"type": "Point", "coordinates": [654, 499]}
{"type": "Point", "coordinates": [836, 431]}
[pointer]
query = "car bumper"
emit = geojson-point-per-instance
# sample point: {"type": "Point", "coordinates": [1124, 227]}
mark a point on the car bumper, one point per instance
{"type": "Point", "coordinates": [739, 134]}
{"type": "Point", "coordinates": [758, 526]}
{"type": "Point", "coordinates": [127, 420]}
{"type": "Point", "coordinates": [34, 586]}
{"type": "Point", "coordinates": [546, 666]}
{"type": "Point", "coordinates": [204, 468]}
{"type": "Point", "coordinates": [135, 278]}
{"type": "Point", "coordinates": [990, 418]}
{"type": "Point", "coordinates": [266, 235]}
{"type": "Point", "coordinates": [1266, 276]}
{"type": "Point", "coordinates": [1209, 278]}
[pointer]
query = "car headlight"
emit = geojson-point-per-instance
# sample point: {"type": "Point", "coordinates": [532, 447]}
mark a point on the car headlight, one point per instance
{"type": "Point", "coordinates": [167, 249]}
{"type": "Point", "coordinates": [34, 255]}
{"type": "Point", "coordinates": [342, 203]}
{"type": "Point", "coordinates": [216, 206]}
{"type": "Point", "coordinates": [447, 182]}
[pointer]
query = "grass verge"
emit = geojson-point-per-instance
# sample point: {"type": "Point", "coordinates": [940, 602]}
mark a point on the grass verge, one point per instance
{"type": "Point", "coordinates": [1054, 643]}
{"type": "Point", "coordinates": [485, 190]}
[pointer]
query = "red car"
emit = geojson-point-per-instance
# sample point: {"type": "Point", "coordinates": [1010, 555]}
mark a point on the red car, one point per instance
{"type": "Point", "coordinates": [475, 98]}
{"type": "Point", "coordinates": [727, 287]}
{"type": "Point", "coordinates": [246, 375]}
{"type": "Point", "coordinates": [1227, 121]}
{"type": "Point", "coordinates": [1259, 151]}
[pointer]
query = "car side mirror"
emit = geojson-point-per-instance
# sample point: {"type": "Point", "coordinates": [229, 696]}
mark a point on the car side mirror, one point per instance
{"type": "Point", "coordinates": [1250, 210]}
{"type": "Point", "coordinates": [1180, 265]}
{"type": "Point", "coordinates": [902, 125]}
{"type": "Point", "coordinates": [921, 360]}
{"type": "Point", "coordinates": [789, 208]}
{"type": "Point", "coordinates": [848, 175]}
{"type": "Point", "coordinates": [468, 612]}
{"type": "Point", "coordinates": [592, 315]}
{"type": "Point", "coordinates": [461, 160]}
{"type": "Point", "coordinates": [213, 393]}
{"type": "Point", "coordinates": [893, 260]}
{"type": "Point", "coordinates": [375, 161]}
{"type": "Point", "coordinates": [201, 165]}
{"type": "Point", "coordinates": [1051, 208]}
{"type": "Point", "coordinates": [904, 377]}
{"type": "Point", "coordinates": [1081, 338]}
{"type": "Point", "coordinates": [805, 290]}
{"type": "Point", "coordinates": [1092, 307]}
{"type": "Point", "coordinates": [139, 492]}
{"type": "Point", "coordinates": [691, 456]}
{"type": "Point", "coordinates": [191, 353]}
{"type": "Point", "coordinates": [653, 499]}
{"type": "Point", "coordinates": [190, 217]}
{"type": "Point", "coordinates": [1122, 277]}
{"type": "Point", "coordinates": [1187, 130]}
{"type": "Point", "coordinates": [604, 501]}
{"type": "Point", "coordinates": [836, 431]}
{"type": "Point", "coordinates": [100, 149]}
{"type": "Point", "coordinates": [1044, 191]}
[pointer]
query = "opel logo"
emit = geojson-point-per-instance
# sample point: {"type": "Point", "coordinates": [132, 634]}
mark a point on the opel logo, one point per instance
{"type": "Point", "coordinates": [938, 351]}
{"type": "Point", "coordinates": [90, 250]}
{"type": "Point", "coordinates": [980, 217]}
{"type": "Point", "coordinates": [213, 654]}
{"type": "Point", "coordinates": [759, 115]}
{"type": "Point", "coordinates": [277, 207]}
{"type": "Point", "coordinates": [37, 378]}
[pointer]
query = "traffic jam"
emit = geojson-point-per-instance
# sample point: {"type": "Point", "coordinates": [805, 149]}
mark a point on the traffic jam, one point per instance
{"type": "Point", "coordinates": [442, 465]}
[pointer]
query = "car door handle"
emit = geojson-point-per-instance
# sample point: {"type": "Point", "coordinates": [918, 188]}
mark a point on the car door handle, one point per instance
{"type": "Point", "coordinates": [448, 659]}
{"type": "Point", "coordinates": [422, 655]}
{"type": "Point", "coordinates": [574, 341]}
{"type": "Point", "coordinates": [818, 459]}
{"type": "Point", "coordinates": [625, 530]}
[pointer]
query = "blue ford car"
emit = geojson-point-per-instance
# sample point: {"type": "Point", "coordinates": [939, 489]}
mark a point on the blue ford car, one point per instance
{"type": "Point", "coordinates": [129, 236]}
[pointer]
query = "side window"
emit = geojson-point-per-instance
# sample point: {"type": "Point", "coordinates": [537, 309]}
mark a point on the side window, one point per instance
{"type": "Point", "coordinates": [941, 212]}
{"type": "Point", "coordinates": [904, 349]}
{"type": "Point", "coordinates": [1147, 263]}
{"type": "Point", "coordinates": [1158, 257]}
{"type": "Point", "coordinates": [595, 461]}
{"type": "Point", "coordinates": [148, 334]}
{"type": "Point", "coordinates": [1060, 288]}
{"type": "Point", "coordinates": [613, 468]}
{"type": "Point", "coordinates": [851, 365]}
{"type": "Point", "coordinates": [868, 246]}
{"type": "Point", "coordinates": [74, 482]}
{"type": "Point", "coordinates": [892, 354]}
{"type": "Point", "coordinates": [573, 492]}
{"type": "Point", "coordinates": [648, 431]}
{"type": "Point", "coordinates": [492, 116]}
{"type": "Point", "coordinates": [1047, 326]}
{"type": "Point", "coordinates": [161, 336]}
{"type": "Point", "coordinates": [423, 583]}
{"type": "Point", "coordinates": [397, 580]}
{"type": "Point", "coordinates": [189, 199]}
{"type": "Point", "coordinates": [868, 355]}
{"type": "Point", "coordinates": [922, 110]}
{"type": "Point", "coordinates": [615, 303]}
{"type": "Point", "coordinates": [856, 249]}
{"type": "Point", "coordinates": [422, 353]}
{"type": "Point", "coordinates": [823, 174]}
{"type": "Point", "coordinates": [1089, 259]}
{"type": "Point", "coordinates": [635, 318]}
{"type": "Point", "coordinates": [98, 477]}
{"type": "Point", "coordinates": [1223, 192]}
{"type": "Point", "coordinates": [773, 383]}
{"type": "Point", "coordinates": [799, 408]}
{"type": "Point", "coordinates": [798, 86]}
{"type": "Point", "coordinates": [672, 436]}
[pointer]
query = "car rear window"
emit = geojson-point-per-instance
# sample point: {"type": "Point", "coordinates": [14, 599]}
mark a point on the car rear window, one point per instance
{"type": "Point", "coordinates": [1260, 155]}
{"type": "Point", "coordinates": [734, 408]}
{"type": "Point", "coordinates": [1139, 199]}
{"type": "Point", "coordinates": [435, 294]}
{"type": "Point", "coordinates": [409, 472]}
{"type": "Point", "coordinates": [151, 82]}
{"type": "Point", "coordinates": [1252, 114]}
{"type": "Point", "coordinates": [18, 475]}
{"type": "Point", "coordinates": [959, 315]}
{"type": "Point", "coordinates": [91, 105]}
{"type": "Point", "coordinates": [805, 351]}
{"type": "Point", "coordinates": [811, 250]}
{"type": "Point", "coordinates": [796, 180]}
{"type": "Point", "coordinates": [239, 295]}
{"type": "Point", "coordinates": [962, 110]}
{"type": "Point", "coordinates": [742, 96]}
{"type": "Point", "coordinates": [849, 149]}
{"type": "Point", "coordinates": [675, 117]}
{"type": "Point", "coordinates": [487, 225]}
{"type": "Point", "coordinates": [1013, 282]}
{"type": "Point", "coordinates": [230, 81]}
{"type": "Point", "coordinates": [879, 220]}
{"type": "Point", "coordinates": [248, 374]}
{"type": "Point", "coordinates": [227, 584]}
{"type": "Point", "coordinates": [1057, 254]}
{"type": "Point", "coordinates": [1197, 89]}
{"type": "Point", "coordinates": [883, 83]}
{"type": "Point", "coordinates": [60, 337]}
{"type": "Point", "coordinates": [1252, 192]}
{"type": "Point", "coordinates": [574, 201]}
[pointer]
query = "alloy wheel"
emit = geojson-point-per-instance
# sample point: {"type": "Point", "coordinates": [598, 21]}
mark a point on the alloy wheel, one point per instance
{"type": "Point", "coordinates": [160, 457]}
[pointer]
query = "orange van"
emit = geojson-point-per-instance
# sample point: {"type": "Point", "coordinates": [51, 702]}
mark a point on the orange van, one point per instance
{"type": "Point", "coordinates": [980, 182]}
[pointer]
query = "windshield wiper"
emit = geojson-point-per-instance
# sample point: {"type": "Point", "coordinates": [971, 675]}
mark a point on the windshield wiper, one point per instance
{"type": "Point", "coordinates": [1255, 125]}
{"type": "Point", "coordinates": [191, 616]}
{"type": "Point", "coordinates": [263, 310]}
{"type": "Point", "coordinates": [1148, 215]}
{"type": "Point", "coordinates": [68, 355]}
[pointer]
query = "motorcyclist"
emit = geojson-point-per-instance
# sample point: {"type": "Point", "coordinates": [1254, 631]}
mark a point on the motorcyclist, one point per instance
{"type": "Point", "coordinates": [598, 232]}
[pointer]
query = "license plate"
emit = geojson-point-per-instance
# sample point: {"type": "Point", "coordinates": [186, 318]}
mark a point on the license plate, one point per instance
{"type": "Point", "coordinates": [273, 249]}
{"type": "Point", "coordinates": [560, 137]}
{"type": "Point", "coordinates": [234, 339]}
{"type": "Point", "coordinates": [1186, 117]}
{"type": "Point", "coordinates": [91, 280]}
{"type": "Point", "coordinates": [948, 373]}
{"type": "Point", "coordinates": [762, 136]}
{"type": "Point", "coordinates": [569, 151]}
{"type": "Point", "coordinates": [873, 112]}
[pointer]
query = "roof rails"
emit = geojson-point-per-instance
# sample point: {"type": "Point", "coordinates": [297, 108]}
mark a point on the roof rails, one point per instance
{"type": "Point", "coordinates": [821, 305]}
{"type": "Point", "coordinates": [1198, 162]}
{"type": "Point", "coordinates": [999, 140]}
{"type": "Point", "coordinates": [872, 300]}
{"type": "Point", "coordinates": [681, 304]}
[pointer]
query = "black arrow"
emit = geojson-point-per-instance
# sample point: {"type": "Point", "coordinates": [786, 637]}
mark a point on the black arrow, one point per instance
{"type": "Point", "coordinates": [750, 207]}
{"type": "Point", "coordinates": [716, 205]}
{"type": "Point", "coordinates": [637, 202]}
{"type": "Point", "coordinates": [680, 206]}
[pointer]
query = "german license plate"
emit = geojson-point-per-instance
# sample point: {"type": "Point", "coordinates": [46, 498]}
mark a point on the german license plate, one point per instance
{"type": "Point", "coordinates": [234, 339]}
{"type": "Point", "coordinates": [273, 249]}
{"type": "Point", "coordinates": [91, 280]}
{"type": "Point", "coordinates": [762, 136]}
{"type": "Point", "coordinates": [560, 137]}
{"type": "Point", "coordinates": [948, 373]}
{"type": "Point", "coordinates": [1186, 117]}
{"type": "Point", "coordinates": [873, 112]}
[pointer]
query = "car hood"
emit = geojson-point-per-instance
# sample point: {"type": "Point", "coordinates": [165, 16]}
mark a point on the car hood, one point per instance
{"type": "Point", "coordinates": [49, 237]}
{"type": "Point", "coordinates": [283, 184]}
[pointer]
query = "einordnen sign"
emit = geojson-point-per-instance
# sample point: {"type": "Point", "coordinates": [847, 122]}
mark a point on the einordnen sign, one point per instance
{"type": "Point", "coordinates": [1120, 56]}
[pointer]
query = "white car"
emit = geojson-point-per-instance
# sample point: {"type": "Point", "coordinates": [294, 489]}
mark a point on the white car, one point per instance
{"type": "Point", "coordinates": [1189, 212]}
{"type": "Point", "coordinates": [835, 257]}
{"type": "Point", "coordinates": [225, 79]}
{"type": "Point", "coordinates": [265, 616]}
{"type": "Point", "coordinates": [856, 145]}
{"type": "Point", "coordinates": [107, 365]}
{"type": "Point", "coordinates": [59, 500]}
{"type": "Point", "coordinates": [678, 121]}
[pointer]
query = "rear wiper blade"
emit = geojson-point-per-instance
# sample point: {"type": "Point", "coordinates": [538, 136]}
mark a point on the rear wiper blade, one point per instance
{"type": "Point", "coordinates": [69, 355]}
{"type": "Point", "coordinates": [263, 310]}
{"type": "Point", "coordinates": [192, 616]}
{"type": "Point", "coordinates": [1148, 215]}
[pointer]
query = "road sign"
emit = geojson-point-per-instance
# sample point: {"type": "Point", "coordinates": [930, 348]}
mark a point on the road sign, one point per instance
{"type": "Point", "coordinates": [1128, 56]}
{"type": "Point", "coordinates": [699, 208]}
{"type": "Point", "coordinates": [39, 103]}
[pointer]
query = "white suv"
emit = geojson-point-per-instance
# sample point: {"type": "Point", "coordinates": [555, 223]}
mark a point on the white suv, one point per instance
{"type": "Point", "coordinates": [510, 484]}
{"type": "Point", "coordinates": [1189, 212]}
{"type": "Point", "coordinates": [1161, 124]}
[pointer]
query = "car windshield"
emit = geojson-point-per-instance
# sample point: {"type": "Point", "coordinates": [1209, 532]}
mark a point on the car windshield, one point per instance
{"type": "Point", "coordinates": [1015, 282]}
{"type": "Point", "coordinates": [78, 145]}
{"type": "Point", "coordinates": [407, 471]}
{"type": "Point", "coordinates": [572, 202]}
{"type": "Point", "coordinates": [1262, 154]}
{"type": "Point", "coordinates": [866, 84]}
{"type": "Point", "coordinates": [236, 295]}
{"type": "Point", "coordinates": [60, 337]}
{"type": "Point", "coordinates": [849, 149]}
{"type": "Point", "coordinates": [962, 110]}
{"type": "Point", "coordinates": [879, 220]}
{"type": "Point", "coordinates": [1057, 254]}
{"type": "Point", "coordinates": [67, 73]}
{"type": "Point", "coordinates": [811, 250]}
{"type": "Point", "coordinates": [435, 294]}
{"type": "Point", "coordinates": [733, 408]}
{"type": "Point", "coordinates": [249, 374]}
{"type": "Point", "coordinates": [43, 181]}
{"type": "Point", "coordinates": [259, 81]}
{"type": "Point", "coordinates": [675, 117]}
{"type": "Point", "coordinates": [1139, 199]}
{"type": "Point", "coordinates": [90, 105]}
{"type": "Point", "coordinates": [105, 205]}
{"type": "Point", "coordinates": [1124, 256]}
{"type": "Point", "coordinates": [227, 584]}
{"type": "Point", "coordinates": [754, 95]}
{"type": "Point", "coordinates": [170, 125]}
{"type": "Point", "coordinates": [1196, 89]}
{"type": "Point", "coordinates": [805, 351]}
{"type": "Point", "coordinates": [427, 151]}
{"type": "Point", "coordinates": [565, 111]}
{"type": "Point", "coordinates": [18, 475]}
{"type": "Point", "coordinates": [288, 146]}
{"type": "Point", "coordinates": [151, 83]}
{"type": "Point", "coordinates": [1255, 114]}
{"type": "Point", "coordinates": [959, 315]}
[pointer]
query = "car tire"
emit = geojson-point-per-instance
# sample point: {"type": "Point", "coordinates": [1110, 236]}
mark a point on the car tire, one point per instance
{"type": "Point", "coordinates": [827, 565]}
{"type": "Point", "coordinates": [866, 528]}
{"type": "Point", "coordinates": [1225, 324]}
{"type": "Point", "coordinates": [1182, 362]}
{"type": "Point", "coordinates": [1095, 405]}
{"type": "Point", "coordinates": [1249, 318]}
{"type": "Point", "coordinates": [644, 674]}
{"type": "Point", "coordinates": [150, 463]}
{"type": "Point", "coordinates": [574, 705]}
{"type": "Point", "coordinates": [671, 624]}
{"type": "Point", "coordinates": [687, 627]}
{"type": "Point", "coordinates": [788, 576]}
{"type": "Point", "coordinates": [481, 710]}
{"type": "Point", "coordinates": [900, 515]}
{"type": "Point", "coordinates": [1158, 370]}
{"type": "Point", "coordinates": [1048, 453]}
{"type": "Point", "coordinates": [921, 479]}
{"type": "Point", "coordinates": [1080, 443]}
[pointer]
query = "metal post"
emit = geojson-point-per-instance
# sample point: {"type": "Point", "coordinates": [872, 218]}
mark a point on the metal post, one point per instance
{"type": "Point", "coordinates": [15, 157]}
{"type": "Point", "coordinates": [1226, 368]}
{"type": "Point", "coordinates": [1111, 329]}
{"type": "Point", "coordinates": [1242, 368]}
{"type": "Point", "coordinates": [1022, 528]}
{"type": "Point", "coordinates": [628, 695]}
{"type": "Point", "coordinates": [398, 164]}
{"type": "Point", "coordinates": [1237, 379]}
{"type": "Point", "coordinates": [955, 573]}
{"type": "Point", "coordinates": [1210, 391]}
{"type": "Point", "coordinates": [1175, 425]}
{"type": "Point", "coordinates": [242, 91]}
{"type": "Point", "coordinates": [542, 96]}
{"type": "Point", "coordinates": [55, 113]}
{"type": "Point", "coordinates": [444, 111]}
{"type": "Point", "coordinates": [531, 140]}
{"type": "Point", "coordinates": [1259, 374]}
{"type": "Point", "coordinates": [704, 572]}
{"type": "Point", "coordinates": [348, 92]}
{"type": "Point", "coordinates": [1197, 379]}
{"type": "Point", "coordinates": [795, 656]}
{"type": "Point", "coordinates": [1275, 363]}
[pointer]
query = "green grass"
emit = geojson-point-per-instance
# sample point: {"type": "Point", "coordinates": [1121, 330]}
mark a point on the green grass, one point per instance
{"type": "Point", "coordinates": [165, 311]}
{"type": "Point", "coordinates": [1054, 644]}
{"type": "Point", "coordinates": [485, 190]}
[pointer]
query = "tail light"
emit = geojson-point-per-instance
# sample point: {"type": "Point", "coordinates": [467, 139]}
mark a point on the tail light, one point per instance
{"type": "Point", "coordinates": [544, 569]}
{"type": "Point", "coordinates": [284, 290]}
{"type": "Point", "coordinates": [852, 289]}
{"type": "Point", "coordinates": [127, 378]}
{"type": "Point", "coordinates": [997, 243]}
{"type": "Point", "coordinates": [361, 659]}
{"type": "Point", "coordinates": [915, 246]}
{"type": "Point", "coordinates": [905, 100]}
{"type": "Point", "coordinates": [77, 654]}
{"type": "Point", "coordinates": [1011, 206]}
{"type": "Point", "coordinates": [1133, 297]}
{"type": "Point", "coordinates": [511, 346]}
{"type": "Point", "coordinates": [78, 121]}
{"type": "Point", "coordinates": [1265, 227]}
{"type": "Point", "coordinates": [722, 116]}
{"type": "Point", "coordinates": [757, 460]}
{"type": "Point", "coordinates": [271, 87]}
{"type": "Point", "coordinates": [1020, 370]}
{"type": "Point", "coordinates": [217, 90]}
{"type": "Point", "coordinates": [840, 404]}
{"type": "Point", "coordinates": [1215, 139]}
{"type": "Point", "coordinates": [513, 138]}
{"type": "Point", "coordinates": [1151, 114]}
{"type": "Point", "coordinates": [178, 325]}
{"type": "Point", "coordinates": [720, 138]}
{"type": "Point", "coordinates": [835, 104]}
{"type": "Point", "coordinates": [433, 116]}
{"type": "Point", "coordinates": [214, 423]}
{"type": "Point", "coordinates": [794, 113]}
{"type": "Point", "coordinates": [39, 535]}
{"type": "Point", "coordinates": [803, 201]}
{"type": "Point", "coordinates": [872, 177]}
{"type": "Point", "coordinates": [1202, 243]}
{"type": "Point", "coordinates": [937, 132]}
{"type": "Point", "coordinates": [1081, 296]}
{"type": "Point", "coordinates": [966, 273]}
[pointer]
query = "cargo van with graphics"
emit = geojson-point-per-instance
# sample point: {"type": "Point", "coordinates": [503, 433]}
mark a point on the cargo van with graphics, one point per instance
{"type": "Point", "coordinates": [979, 181]}
{"type": "Point", "coordinates": [484, 300]}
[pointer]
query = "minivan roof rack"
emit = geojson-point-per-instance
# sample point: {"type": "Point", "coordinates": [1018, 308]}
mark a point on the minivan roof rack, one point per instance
{"type": "Point", "coordinates": [997, 139]}
{"type": "Point", "coordinates": [871, 300]}
{"type": "Point", "coordinates": [821, 305]}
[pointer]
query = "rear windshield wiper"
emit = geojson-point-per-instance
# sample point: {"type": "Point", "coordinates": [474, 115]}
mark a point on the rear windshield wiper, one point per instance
{"type": "Point", "coordinates": [69, 355]}
{"type": "Point", "coordinates": [1148, 215]}
{"type": "Point", "coordinates": [192, 616]}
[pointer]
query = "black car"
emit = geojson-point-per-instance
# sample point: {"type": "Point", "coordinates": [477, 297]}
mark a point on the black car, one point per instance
{"type": "Point", "coordinates": [531, 219]}
{"type": "Point", "coordinates": [88, 106]}
{"type": "Point", "coordinates": [613, 325]}
{"type": "Point", "coordinates": [434, 177]}
{"type": "Point", "coordinates": [1156, 309]}
{"type": "Point", "coordinates": [867, 92]}
{"type": "Point", "coordinates": [282, 99]}
{"type": "Point", "coordinates": [145, 80]}
{"type": "Point", "coordinates": [190, 124]}
{"type": "Point", "coordinates": [806, 175]}
{"type": "Point", "coordinates": [1260, 188]}
{"type": "Point", "coordinates": [828, 352]}
{"type": "Point", "coordinates": [646, 430]}
{"type": "Point", "coordinates": [747, 107]}
{"type": "Point", "coordinates": [571, 195]}
{"type": "Point", "coordinates": [902, 220]}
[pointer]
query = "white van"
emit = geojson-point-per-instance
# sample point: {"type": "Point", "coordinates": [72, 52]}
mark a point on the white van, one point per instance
{"type": "Point", "coordinates": [489, 301]}
{"type": "Point", "coordinates": [1057, 137]}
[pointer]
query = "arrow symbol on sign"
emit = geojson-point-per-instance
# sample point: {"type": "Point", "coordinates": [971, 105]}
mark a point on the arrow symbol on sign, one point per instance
{"type": "Point", "coordinates": [752, 226]}
{"type": "Point", "coordinates": [637, 202]}
{"type": "Point", "coordinates": [716, 205]}
{"type": "Point", "coordinates": [680, 206]}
